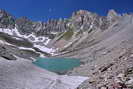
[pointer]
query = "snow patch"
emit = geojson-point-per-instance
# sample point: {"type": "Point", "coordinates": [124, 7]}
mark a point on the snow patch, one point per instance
{"type": "Point", "coordinates": [24, 48]}
{"type": "Point", "coordinates": [15, 32]}
{"type": "Point", "coordinates": [31, 38]}
{"type": "Point", "coordinates": [44, 49]}
{"type": "Point", "coordinates": [8, 31]}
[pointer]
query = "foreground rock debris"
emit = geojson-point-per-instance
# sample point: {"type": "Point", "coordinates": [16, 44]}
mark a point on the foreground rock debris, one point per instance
{"type": "Point", "coordinates": [102, 43]}
{"type": "Point", "coordinates": [22, 74]}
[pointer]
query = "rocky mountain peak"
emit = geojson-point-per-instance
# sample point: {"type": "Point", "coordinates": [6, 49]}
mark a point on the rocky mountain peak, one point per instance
{"type": "Point", "coordinates": [6, 20]}
{"type": "Point", "coordinates": [81, 12]}
{"type": "Point", "coordinates": [24, 25]}
{"type": "Point", "coordinates": [3, 13]}
{"type": "Point", "coordinates": [112, 15]}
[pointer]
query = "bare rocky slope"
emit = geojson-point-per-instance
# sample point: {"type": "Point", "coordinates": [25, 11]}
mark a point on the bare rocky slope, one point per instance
{"type": "Point", "coordinates": [106, 54]}
{"type": "Point", "coordinates": [102, 43]}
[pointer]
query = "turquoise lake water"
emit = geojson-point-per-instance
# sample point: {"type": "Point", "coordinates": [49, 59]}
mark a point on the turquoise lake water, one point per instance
{"type": "Point", "coordinates": [57, 64]}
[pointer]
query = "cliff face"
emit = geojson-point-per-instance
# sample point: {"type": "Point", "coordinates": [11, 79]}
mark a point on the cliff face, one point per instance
{"type": "Point", "coordinates": [81, 26]}
{"type": "Point", "coordinates": [6, 20]}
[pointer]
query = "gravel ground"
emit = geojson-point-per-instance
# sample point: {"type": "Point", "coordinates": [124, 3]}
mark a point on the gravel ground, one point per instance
{"type": "Point", "coordinates": [22, 74]}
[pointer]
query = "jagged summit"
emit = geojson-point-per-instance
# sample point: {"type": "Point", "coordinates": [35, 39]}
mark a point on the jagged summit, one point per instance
{"type": "Point", "coordinates": [6, 20]}
{"type": "Point", "coordinates": [112, 13]}
{"type": "Point", "coordinates": [81, 12]}
{"type": "Point", "coordinates": [43, 28]}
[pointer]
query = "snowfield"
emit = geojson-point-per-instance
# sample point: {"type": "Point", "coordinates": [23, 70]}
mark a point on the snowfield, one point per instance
{"type": "Point", "coordinates": [44, 40]}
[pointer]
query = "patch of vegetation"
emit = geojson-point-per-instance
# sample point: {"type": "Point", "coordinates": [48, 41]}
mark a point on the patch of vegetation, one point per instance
{"type": "Point", "coordinates": [67, 35]}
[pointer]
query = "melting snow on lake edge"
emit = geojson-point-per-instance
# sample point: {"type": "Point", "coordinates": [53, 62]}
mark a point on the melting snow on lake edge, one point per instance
{"type": "Point", "coordinates": [44, 40]}
{"type": "Point", "coordinates": [14, 32]}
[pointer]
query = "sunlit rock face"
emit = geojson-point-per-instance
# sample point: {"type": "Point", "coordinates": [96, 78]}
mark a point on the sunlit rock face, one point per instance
{"type": "Point", "coordinates": [113, 15]}
{"type": "Point", "coordinates": [6, 20]}
{"type": "Point", "coordinates": [80, 26]}
{"type": "Point", "coordinates": [24, 26]}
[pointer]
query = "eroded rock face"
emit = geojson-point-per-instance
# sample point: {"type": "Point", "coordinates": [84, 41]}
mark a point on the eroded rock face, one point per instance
{"type": "Point", "coordinates": [105, 23]}
{"type": "Point", "coordinates": [112, 15]}
{"type": "Point", "coordinates": [10, 52]}
{"type": "Point", "coordinates": [6, 20]}
{"type": "Point", "coordinates": [16, 40]}
{"type": "Point", "coordinates": [24, 26]}
{"type": "Point", "coordinates": [82, 19]}
{"type": "Point", "coordinates": [5, 54]}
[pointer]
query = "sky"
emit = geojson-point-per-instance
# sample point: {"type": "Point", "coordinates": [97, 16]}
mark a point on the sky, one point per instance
{"type": "Point", "coordinates": [42, 10]}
